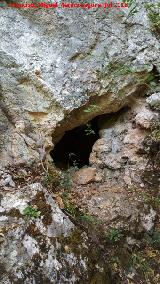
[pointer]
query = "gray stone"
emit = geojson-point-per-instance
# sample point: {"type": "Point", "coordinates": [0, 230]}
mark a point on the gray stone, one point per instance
{"type": "Point", "coordinates": [154, 101]}
{"type": "Point", "coordinates": [87, 175]}
{"type": "Point", "coordinates": [26, 242]}
{"type": "Point", "coordinates": [116, 207]}
{"type": "Point", "coordinates": [146, 118]}
{"type": "Point", "coordinates": [117, 150]}
{"type": "Point", "coordinates": [6, 179]}
{"type": "Point", "coordinates": [148, 219]}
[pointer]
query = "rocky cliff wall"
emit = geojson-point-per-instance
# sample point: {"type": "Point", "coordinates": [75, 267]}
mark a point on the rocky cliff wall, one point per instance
{"type": "Point", "coordinates": [57, 63]}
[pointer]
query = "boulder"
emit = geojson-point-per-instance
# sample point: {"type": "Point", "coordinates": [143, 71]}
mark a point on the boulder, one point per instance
{"type": "Point", "coordinates": [146, 118]}
{"type": "Point", "coordinates": [87, 175]}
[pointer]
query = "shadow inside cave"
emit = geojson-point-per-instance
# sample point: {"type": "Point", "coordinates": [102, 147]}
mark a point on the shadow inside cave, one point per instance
{"type": "Point", "coordinates": [75, 146]}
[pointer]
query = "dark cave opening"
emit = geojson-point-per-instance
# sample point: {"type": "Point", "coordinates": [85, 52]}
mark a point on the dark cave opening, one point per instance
{"type": "Point", "coordinates": [75, 146]}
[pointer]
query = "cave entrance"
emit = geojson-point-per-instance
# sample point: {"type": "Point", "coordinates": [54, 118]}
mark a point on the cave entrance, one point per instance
{"type": "Point", "coordinates": [75, 146]}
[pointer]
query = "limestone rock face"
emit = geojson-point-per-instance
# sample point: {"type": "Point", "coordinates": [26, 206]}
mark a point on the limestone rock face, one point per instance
{"type": "Point", "coordinates": [59, 69]}
{"type": "Point", "coordinates": [56, 63]}
{"type": "Point", "coordinates": [146, 118]}
{"type": "Point", "coordinates": [119, 155]}
{"type": "Point", "coordinates": [119, 152]}
{"type": "Point", "coordinates": [117, 207]}
{"type": "Point", "coordinates": [29, 245]}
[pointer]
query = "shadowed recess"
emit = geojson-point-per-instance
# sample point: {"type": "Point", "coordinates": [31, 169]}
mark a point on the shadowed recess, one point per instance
{"type": "Point", "coordinates": [75, 146]}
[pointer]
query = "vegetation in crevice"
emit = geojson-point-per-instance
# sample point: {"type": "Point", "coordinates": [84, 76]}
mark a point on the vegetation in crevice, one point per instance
{"type": "Point", "coordinates": [114, 235]}
{"type": "Point", "coordinates": [31, 212]}
{"type": "Point", "coordinates": [92, 108]}
{"type": "Point", "coordinates": [153, 10]}
{"type": "Point", "coordinates": [152, 148]}
{"type": "Point", "coordinates": [143, 78]}
{"type": "Point", "coordinates": [133, 9]}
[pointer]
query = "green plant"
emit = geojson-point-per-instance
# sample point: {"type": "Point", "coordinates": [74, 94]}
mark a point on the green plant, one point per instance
{"type": "Point", "coordinates": [89, 130]}
{"type": "Point", "coordinates": [132, 8]}
{"type": "Point", "coordinates": [153, 238]}
{"type": "Point", "coordinates": [48, 179]}
{"type": "Point", "coordinates": [156, 134]}
{"type": "Point", "coordinates": [92, 108]}
{"type": "Point", "coordinates": [31, 211]}
{"type": "Point", "coordinates": [139, 262]}
{"type": "Point", "coordinates": [65, 181]}
{"type": "Point", "coordinates": [69, 207]}
{"type": "Point", "coordinates": [157, 201]}
{"type": "Point", "coordinates": [119, 68]}
{"type": "Point", "coordinates": [154, 15]}
{"type": "Point", "coordinates": [114, 235]}
{"type": "Point", "coordinates": [88, 219]}
{"type": "Point", "coordinates": [130, 2]}
{"type": "Point", "coordinates": [72, 159]}
{"type": "Point", "coordinates": [74, 212]}
{"type": "Point", "coordinates": [146, 79]}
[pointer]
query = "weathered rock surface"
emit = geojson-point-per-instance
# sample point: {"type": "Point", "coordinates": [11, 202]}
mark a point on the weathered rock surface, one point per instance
{"type": "Point", "coordinates": [119, 151]}
{"type": "Point", "coordinates": [154, 101]}
{"type": "Point", "coordinates": [87, 175]}
{"type": "Point", "coordinates": [59, 69]}
{"type": "Point", "coordinates": [120, 157]}
{"type": "Point", "coordinates": [30, 248]}
{"type": "Point", "coordinates": [36, 249]}
{"type": "Point", "coordinates": [146, 118]}
{"type": "Point", "coordinates": [117, 207]}
{"type": "Point", "coordinates": [56, 63]}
